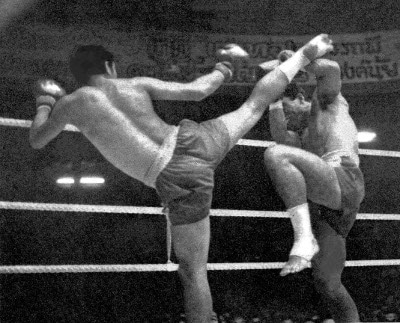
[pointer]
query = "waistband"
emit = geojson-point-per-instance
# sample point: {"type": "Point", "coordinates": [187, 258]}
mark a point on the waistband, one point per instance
{"type": "Point", "coordinates": [163, 157]}
{"type": "Point", "coordinates": [334, 158]}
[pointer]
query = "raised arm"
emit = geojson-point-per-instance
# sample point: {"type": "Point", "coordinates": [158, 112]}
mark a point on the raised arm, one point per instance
{"type": "Point", "coordinates": [50, 117]}
{"type": "Point", "coordinates": [196, 90]}
{"type": "Point", "coordinates": [201, 87]}
{"type": "Point", "coordinates": [278, 126]}
{"type": "Point", "coordinates": [327, 73]}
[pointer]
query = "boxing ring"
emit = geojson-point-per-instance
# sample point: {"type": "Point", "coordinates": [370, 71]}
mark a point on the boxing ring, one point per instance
{"type": "Point", "coordinates": [157, 211]}
{"type": "Point", "coordinates": [162, 268]}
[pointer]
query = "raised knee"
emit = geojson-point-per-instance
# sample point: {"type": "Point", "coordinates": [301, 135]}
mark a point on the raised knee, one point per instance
{"type": "Point", "coordinates": [274, 154]}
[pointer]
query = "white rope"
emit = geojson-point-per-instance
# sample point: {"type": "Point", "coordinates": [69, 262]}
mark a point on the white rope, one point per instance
{"type": "Point", "coordinates": [58, 269]}
{"type": "Point", "coordinates": [27, 124]}
{"type": "Point", "coordinates": [56, 207]}
{"type": "Point", "coordinates": [242, 142]}
{"type": "Point", "coordinates": [158, 210]}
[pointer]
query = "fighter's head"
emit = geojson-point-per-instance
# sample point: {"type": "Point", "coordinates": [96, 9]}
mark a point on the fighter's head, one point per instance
{"type": "Point", "coordinates": [296, 107]}
{"type": "Point", "coordinates": [89, 60]}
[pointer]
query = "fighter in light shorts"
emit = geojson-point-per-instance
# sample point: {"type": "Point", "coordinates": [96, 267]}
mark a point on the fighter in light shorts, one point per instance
{"type": "Point", "coordinates": [117, 116]}
{"type": "Point", "coordinates": [314, 168]}
{"type": "Point", "coordinates": [351, 182]}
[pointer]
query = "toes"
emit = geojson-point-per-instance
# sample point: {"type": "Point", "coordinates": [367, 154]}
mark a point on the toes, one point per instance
{"type": "Point", "coordinates": [294, 265]}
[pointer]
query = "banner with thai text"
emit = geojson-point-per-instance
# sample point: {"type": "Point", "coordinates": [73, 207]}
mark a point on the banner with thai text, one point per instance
{"type": "Point", "coordinates": [43, 51]}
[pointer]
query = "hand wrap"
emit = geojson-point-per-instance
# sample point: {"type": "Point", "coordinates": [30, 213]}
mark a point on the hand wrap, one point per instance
{"type": "Point", "coordinates": [226, 68]}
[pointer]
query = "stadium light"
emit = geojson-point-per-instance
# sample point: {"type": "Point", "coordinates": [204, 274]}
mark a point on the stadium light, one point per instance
{"type": "Point", "coordinates": [366, 136]}
{"type": "Point", "coordinates": [65, 181]}
{"type": "Point", "coordinates": [91, 181]}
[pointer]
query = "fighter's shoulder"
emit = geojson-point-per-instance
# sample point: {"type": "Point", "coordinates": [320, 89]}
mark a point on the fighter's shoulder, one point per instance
{"type": "Point", "coordinates": [336, 101]}
{"type": "Point", "coordinates": [85, 94]}
{"type": "Point", "coordinates": [83, 91]}
{"type": "Point", "coordinates": [74, 99]}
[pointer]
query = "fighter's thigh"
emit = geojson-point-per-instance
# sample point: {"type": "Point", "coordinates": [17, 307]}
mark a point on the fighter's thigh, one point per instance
{"type": "Point", "coordinates": [330, 260]}
{"type": "Point", "coordinates": [240, 121]}
{"type": "Point", "coordinates": [321, 179]}
{"type": "Point", "coordinates": [191, 242]}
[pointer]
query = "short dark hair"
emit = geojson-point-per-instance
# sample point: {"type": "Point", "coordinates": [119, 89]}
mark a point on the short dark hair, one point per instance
{"type": "Point", "coordinates": [292, 90]}
{"type": "Point", "coordinates": [88, 60]}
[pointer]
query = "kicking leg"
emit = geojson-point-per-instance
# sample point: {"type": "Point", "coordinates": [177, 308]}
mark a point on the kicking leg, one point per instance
{"type": "Point", "coordinates": [267, 90]}
{"type": "Point", "coordinates": [271, 86]}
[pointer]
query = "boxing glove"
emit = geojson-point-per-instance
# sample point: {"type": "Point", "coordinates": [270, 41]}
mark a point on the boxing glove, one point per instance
{"type": "Point", "coordinates": [47, 92]}
{"type": "Point", "coordinates": [285, 55]}
{"type": "Point", "coordinates": [227, 56]}
{"type": "Point", "coordinates": [232, 53]}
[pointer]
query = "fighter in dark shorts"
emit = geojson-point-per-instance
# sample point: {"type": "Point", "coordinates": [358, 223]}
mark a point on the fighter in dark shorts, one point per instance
{"type": "Point", "coordinates": [186, 184]}
{"type": "Point", "coordinates": [117, 116]}
{"type": "Point", "coordinates": [314, 167]}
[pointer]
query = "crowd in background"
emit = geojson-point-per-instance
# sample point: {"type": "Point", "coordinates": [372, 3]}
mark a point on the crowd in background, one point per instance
{"type": "Point", "coordinates": [156, 298]}
{"type": "Point", "coordinates": [380, 303]}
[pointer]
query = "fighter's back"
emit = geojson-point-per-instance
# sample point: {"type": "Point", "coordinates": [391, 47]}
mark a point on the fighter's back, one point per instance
{"type": "Point", "coordinates": [118, 118]}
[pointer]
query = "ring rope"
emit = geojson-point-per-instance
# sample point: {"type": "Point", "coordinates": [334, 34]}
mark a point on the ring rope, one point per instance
{"type": "Point", "coordinates": [58, 207]}
{"type": "Point", "coordinates": [57, 269]}
{"type": "Point", "coordinates": [25, 269]}
{"type": "Point", "coordinates": [242, 142]}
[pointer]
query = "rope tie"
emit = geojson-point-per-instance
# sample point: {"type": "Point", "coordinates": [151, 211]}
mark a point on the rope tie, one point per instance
{"type": "Point", "coordinates": [165, 211]}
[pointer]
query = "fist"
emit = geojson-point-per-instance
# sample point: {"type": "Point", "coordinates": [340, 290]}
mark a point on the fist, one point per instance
{"type": "Point", "coordinates": [48, 87]}
{"type": "Point", "coordinates": [232, 53]}
{"type": "Point", "coordinates": [285, 55]}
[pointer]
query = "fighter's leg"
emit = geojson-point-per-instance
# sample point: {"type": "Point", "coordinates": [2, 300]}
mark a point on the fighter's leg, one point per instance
{"type": "Point", "coordinates": [327, 270]}
{"type": "Point", "coordinates": [191, 245]}
{"type": "Point", "coordinates": [299, 175]}
{"type": "Point", "coordinates": [267, 90]}
{"type": "Point", "coordinates": [271, 86]}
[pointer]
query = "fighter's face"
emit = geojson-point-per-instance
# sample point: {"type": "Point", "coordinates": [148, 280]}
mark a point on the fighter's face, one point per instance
{"type": "Point", "coordinates": [297, 110]}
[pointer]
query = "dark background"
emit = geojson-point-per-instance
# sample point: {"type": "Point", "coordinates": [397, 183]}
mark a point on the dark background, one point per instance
{"type": "Point", "coordinates": [241, 181]}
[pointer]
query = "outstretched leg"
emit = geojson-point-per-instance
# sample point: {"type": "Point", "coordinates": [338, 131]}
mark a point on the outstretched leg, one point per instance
{"type": "Point", "coordinates": [191, 244]}
{"type": "Point", "coordinates": [327, 270]}
{"type": "Point", "coordinates": [271, 86]}
{"type": "Point", "coordinates": [299, 175]}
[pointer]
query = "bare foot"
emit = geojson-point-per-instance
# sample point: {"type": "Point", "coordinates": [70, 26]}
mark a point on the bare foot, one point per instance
{"type": "Point", "coordinates": [317, 47]}
{"type": "Point", "coordinates": [294, 265]}
{"type": "Point", "coordinates": [300, 257]}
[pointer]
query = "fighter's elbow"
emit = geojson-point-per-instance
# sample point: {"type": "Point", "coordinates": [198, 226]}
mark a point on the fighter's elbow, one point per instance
{"type": "Point", "coordinates": [36, 145]}
{"type": "Point", "coordinates": [201, 90]}
{"type": "Point", "coordinates": [332, 67]}
{"type": "Point", "coordinates": [35, 142]}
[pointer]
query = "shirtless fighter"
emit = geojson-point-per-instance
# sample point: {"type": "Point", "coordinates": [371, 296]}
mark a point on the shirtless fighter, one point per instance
{"type": "Point", "coordinates": [314, 166]}
{"type": "Point", "coordinates": [117, 117]}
